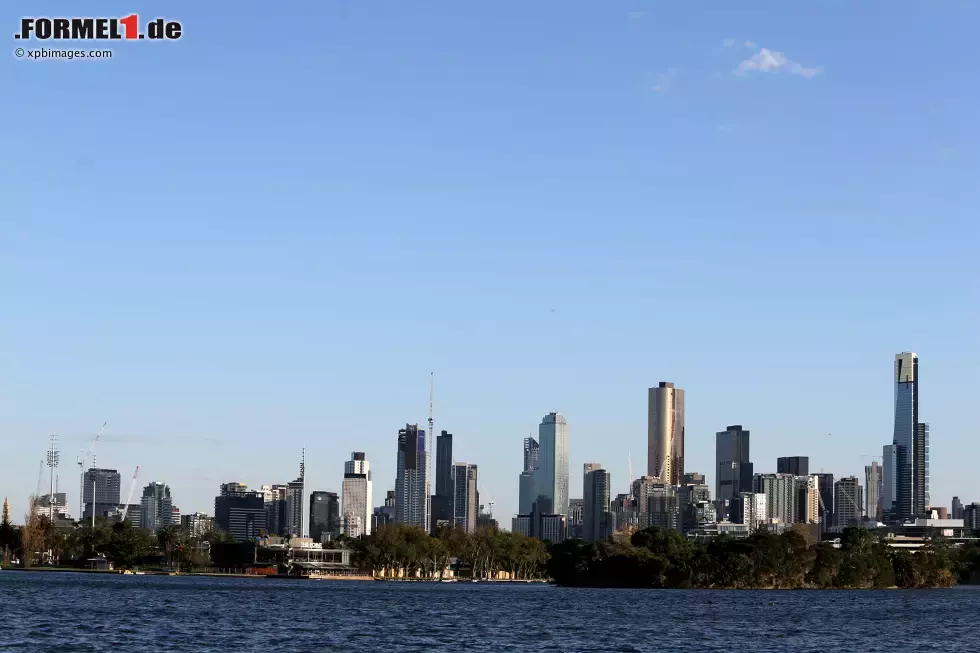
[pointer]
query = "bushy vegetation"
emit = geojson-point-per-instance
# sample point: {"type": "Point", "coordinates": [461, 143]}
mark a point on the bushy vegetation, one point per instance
{"type": "Point", "coordinates": [411, 551]}
{"type": "Point", "coordinates": [657, 557]}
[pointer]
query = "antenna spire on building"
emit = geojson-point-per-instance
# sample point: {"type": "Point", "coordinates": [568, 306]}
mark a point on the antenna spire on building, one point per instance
{"type": "Point", "coordinates": [428, 452]}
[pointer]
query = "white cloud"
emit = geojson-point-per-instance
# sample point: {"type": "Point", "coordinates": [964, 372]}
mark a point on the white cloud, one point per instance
{"type": "Point", "coordinates": [768, 61]}
{"type": "Point", "coordinates": [662, 82]}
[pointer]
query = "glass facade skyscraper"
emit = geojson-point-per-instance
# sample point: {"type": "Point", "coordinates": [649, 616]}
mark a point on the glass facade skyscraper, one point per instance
{"type": "Point", "coordinates": [410, 500]}
{"type": "Point", "coordinates": [551, 477]}
{"type": "Point", "coordinates": [665, 433]}
{"type": "Point", "coordinates": [911, 443]}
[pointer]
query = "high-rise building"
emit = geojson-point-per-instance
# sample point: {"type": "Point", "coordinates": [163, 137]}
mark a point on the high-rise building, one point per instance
{"type": "Point", "coordinates": [750, 508]}
{"type": "Point", "coordinates": [324, 516]}
{"type": "Point", "coordinates": [971, 516]}
{"type": "Point", "coordinates": [410, 481]}
{"type": "Point", "coordinates": [527, 493]}
{"type": "Point", "coordinates": [295, 502]}
{"type": "Point", "coordinates": [384, 515]}
{"type": "Point", "coordinates": [957, 509]}
{"type": "Point", "coordinates": [239, 512]}
{"type": "Point", "coordinates": [274, 504]}
{"type": "Point", "coordinates": [624, 512]}
{"type": "Point", "coordinates": [889, 481]}
{"type": "Point", "coordinates": [781, 496]}
{"type": "Point", "coordinates": [553, 529]}
{"type": "Point", "coordinates": [692, 496]}
{"type": "Point", "coordinates": [665, 433]}
{"type": "Point", "coordinates": [825, 489]}
{"type": "Point", "coordinates": [466, 499]}
{"type": "Point", "coordinates": [849, 501]}
{"type": "Point", "coordinates": [795, 465]}
{"type": "Point", "coordinates": [551, 477]}
{"type": "Point", "coordinates": [105, 485]}
{"type": "Point", "coordinates": [156, 507]}
{"type": "Point", "coordinates": [521, 524]}
{"type": "Point", "coordinates": [356, 509]}
{"type": "Point", "coordinates": [576, 517]}
{"type": "Point", "coordinates": [197, 524]}
{"type": "Point", "coordinates": [873, 486]}
{"type": "Point", "coordinates": [532, 452]}
{"type": "Point", "coordinates": [733, 464]}
{"type": "Point", "coordinates": [911, 439]}
{"type": "Point", "coordinates": [808, 499]}
{"type": "Point", "coordinates": [656, 503]}
{"type": "Point", "coordinates": [597, 520]}
{"type": "Point", "coordinates": [442, 500]}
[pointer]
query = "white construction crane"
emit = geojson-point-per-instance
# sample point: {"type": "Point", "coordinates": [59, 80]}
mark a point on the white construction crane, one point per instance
{"type": "Point", "coordinates": [129, 497]}
{"type": "Point", "coordinates": [428, 456]}
{"type": "Point", "coordinates": [82, 463]}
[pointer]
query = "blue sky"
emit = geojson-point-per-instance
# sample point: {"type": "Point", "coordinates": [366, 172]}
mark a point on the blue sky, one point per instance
{"type": "Point", "coordinates": [264, 236]}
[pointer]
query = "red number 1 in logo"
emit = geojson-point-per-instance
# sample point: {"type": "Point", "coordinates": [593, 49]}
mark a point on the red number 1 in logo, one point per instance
{"type": "Point", "coordinates": [132, 26]}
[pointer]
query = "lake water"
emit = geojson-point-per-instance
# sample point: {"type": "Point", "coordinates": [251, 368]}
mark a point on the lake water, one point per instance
{"type": "Point", "coordinates": [47, 612]}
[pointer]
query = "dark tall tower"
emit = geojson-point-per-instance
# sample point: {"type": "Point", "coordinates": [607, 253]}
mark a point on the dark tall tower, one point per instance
{"type": "Point", "coordinates": [911, 441]}
{"type": "Point", "coordinates": [733, 464]}
{"type": "Point", "coordinates": [795, 465]}
{"type": "Point", "coordinates": [442, 500]}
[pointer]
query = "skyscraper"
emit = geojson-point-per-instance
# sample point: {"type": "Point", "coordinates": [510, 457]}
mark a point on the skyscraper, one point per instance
{"type": "Point", "coordinates": [156, 507]}
{"type": "Point", "coordinates": [596, 516]}
{"type": "Point", "coordinates": [551, 477]}
{"type": "Point", "coordinates": [795, 465]}
{"type": "Point", "coordinates": [848, 504]}
{"type": "Point", "coordinates": [782, 498]}
{"type": "Point", "coordinates": [356, 509]}
{"type": "Point", "coordinates": [532, 452]}
{"type": "Point", "coordinates": [825, 489]}
{"type": "Point", "coordinates": [889, 481]}
{"type": "Point", "coordinates": [527, 493]}
{"type": "Point", "coordinates": [466, 498]}
{"type": "Point", "coordinates": [733, 464]}
{"type": "Point", "coordinates": [105, 485]}
{"type": "Point", "coordinates": [442, 500]}
{"type": "Point", "coordinates": [324, 516]}
{"type": "Point", "coordinates": [665, 433]}
{"type": "Point", "coordinates": [911, 439]}
{"type": "Point", "coordinates": [410, 499]}
{"type": "Point", "coordinates": [657, 503]}
{"type": "Point", "coordinates": [239, 512]}
{"type": "Point", "coordinates": [873, 485]}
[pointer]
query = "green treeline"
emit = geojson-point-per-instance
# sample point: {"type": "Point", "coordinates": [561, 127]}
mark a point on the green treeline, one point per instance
{"type": "Point", "coordinates": [657, 557]}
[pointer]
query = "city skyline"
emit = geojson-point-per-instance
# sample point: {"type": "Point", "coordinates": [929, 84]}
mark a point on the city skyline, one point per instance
{"type": "Point", "coordinates": [294, 493]}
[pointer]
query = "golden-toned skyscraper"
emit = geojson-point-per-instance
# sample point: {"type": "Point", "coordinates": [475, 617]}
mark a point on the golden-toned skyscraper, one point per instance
{"type": "Point", "coordinates": [665, 433]}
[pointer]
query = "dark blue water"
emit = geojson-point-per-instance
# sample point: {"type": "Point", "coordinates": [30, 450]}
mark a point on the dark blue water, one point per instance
{"type": "Point", "coordinates": [42, 612]}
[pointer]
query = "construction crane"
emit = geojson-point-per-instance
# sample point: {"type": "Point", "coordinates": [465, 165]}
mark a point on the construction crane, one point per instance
{"type": "Point", "coordinates": [428, 455]}
{"type": "Point", "coordinates": [129, 497]}
{"type": "Point", "coordinates": [82, 462]}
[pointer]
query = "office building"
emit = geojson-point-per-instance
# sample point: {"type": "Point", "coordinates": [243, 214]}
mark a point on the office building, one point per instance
{"type": "Point", "coordinates": [156, 507]}
{"type": "Point", "coordinates": [521, 524]}
{"type": "Point", "coordinates": [553, 528]}
{"type": "Point", "coordinates": [385, 514]}
{"type": "Point", "coordinates": [692, 497]}
{"type": "Point", "coordinates": [466, 499]}
{"type": "Point", "coordinates": [889, 482]}
{"type": "Point", "coordinates": [971, 516]}
{"type": "Point", "coordinates": [239, 512]}
{"type": "Point", "coordinates": [442, 500]}
{"type": "Point", "coordinates": [957, 508]}
{"type": "Point", "coordinates": [656, 503]}
{"type": "Point", "coordinates": [551, 477]}
{"type": "Point", "coordinates": [527, 493]}
{"type": "Point", "coordinates": [55, 506]}
{"type": "Point", "coordinates": [532, 453]}
{"type": "Point", "coordinates": [576, 515]}
{"type": "Point", "coordinates": [274, 504]}
{"type": "Point", "coordinates": [873, 485]}
{"type": "Point", "coordinates": [665, 433]}
{"type": "Point", "coordinates": [825, 489]}
{"type": "Point", "coordinates": [781, 497]}
{"type": "Point", "coordinates": [734, 469]}
{"type": "Point", "coordinates": [911, 439]}
{"type": "Point", "coordinates": [105, 485]}
{"type": "Point", "coordinates": [411, 503]}
{"type": "Point", "coordinates": [625, 513]}
{"type": "Point", "coordinates": [597, 520]}
{"type": "Point", "coordinates": [751, 508]}
{"type": "Point", "coordinates": [295, 503]}
{"type": "Point", "coordinates": [849, 502]}
{"type": "Point", "coordinates": [324, 516]}
{"type": "Point", "coordinates": [795, 465]}
{"type": "Point", "coordinates": [808, 499]}
{"type": "Point", "coordinates": [357, 499]}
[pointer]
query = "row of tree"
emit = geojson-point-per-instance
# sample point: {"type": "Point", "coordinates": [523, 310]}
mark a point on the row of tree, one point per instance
{"type": "Point", "coordinates": [657, 557]}
{"type": "Point", "coordinates": [411, 552]}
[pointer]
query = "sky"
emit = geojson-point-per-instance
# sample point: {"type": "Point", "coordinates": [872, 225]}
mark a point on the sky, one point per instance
{"type": "Point", "coordinates": [266, 235]}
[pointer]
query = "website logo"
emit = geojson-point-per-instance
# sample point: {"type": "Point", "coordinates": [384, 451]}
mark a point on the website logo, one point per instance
{"type": "Point", "coordinates": [98, 29]}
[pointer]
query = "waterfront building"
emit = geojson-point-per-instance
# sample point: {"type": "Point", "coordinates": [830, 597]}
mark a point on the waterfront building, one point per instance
{"type": "Point", "coordinates": [665, 433]}
{"type": "Point", "coordinates": [733, 465]}
{"type": "Point", "coordinates": [442, 501]}
{"type": "Point", "coordinates": [848, 502]}
{"type": "Point", "coordinates": [795, 465]}
{"type": "Point", "coordinates": [411, 502]}
{"type": "Point", "coordinates": [781, 497]}
{"type": "Point", "coordinates": [911, 441]}
{"type": "Point", "coordinates": [324, 516]}
{"type": "Point", "coordinates": [156, 507]}
{"type": "Point", "coordinates": [105, 485]}
{"type": "Point", "coordinates": [551, 477]}
{"type": "Point", "coordinates": [466, 499]}
{"type": "Point", "coordinates": [873, 485]}
{"type": "Point", "coordinates": [239, 512]}
{"type": "Point", "coordinates": [357, 499]}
